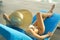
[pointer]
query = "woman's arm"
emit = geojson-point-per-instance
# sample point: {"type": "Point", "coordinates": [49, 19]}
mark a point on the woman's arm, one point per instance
{"type": "Point", "coordinates": [38, 36]}
{"type": "Point", "coordinates": [6, 17]}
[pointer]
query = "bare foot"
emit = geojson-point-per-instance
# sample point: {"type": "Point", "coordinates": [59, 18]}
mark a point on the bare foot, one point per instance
{"type": "Point", "coordinates": [52, 8]}
{"type": "Point", "coordinates": [50, 12]}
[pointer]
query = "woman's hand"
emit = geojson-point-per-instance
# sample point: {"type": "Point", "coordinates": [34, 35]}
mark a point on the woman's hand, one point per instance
{"type": "Point", "coordinates": [50, 34]}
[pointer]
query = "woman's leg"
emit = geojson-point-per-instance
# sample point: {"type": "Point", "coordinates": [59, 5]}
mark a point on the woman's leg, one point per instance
{"type": "Point", "coordinates": [41, 17]}
{"type": "Point", "coordinates": [39, 23]}
{"type": "Point", "coordinates": [49, 13]}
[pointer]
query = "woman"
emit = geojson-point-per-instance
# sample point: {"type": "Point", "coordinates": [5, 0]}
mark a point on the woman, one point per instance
{"type": "Point", "coordinates": [41, 17]}
{"type": "Point", "coordinates": [23, 18]}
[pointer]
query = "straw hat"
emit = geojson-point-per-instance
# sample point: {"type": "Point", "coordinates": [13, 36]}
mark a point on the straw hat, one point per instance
{"type": "Point", "coordinates": [21, 18]}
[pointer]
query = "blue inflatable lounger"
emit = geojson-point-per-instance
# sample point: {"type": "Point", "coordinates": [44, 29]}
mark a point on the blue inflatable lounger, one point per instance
{"type": "Point", "coordinates": [12, 34]}
{"type": "Point", "coordinates": [50, 23]}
